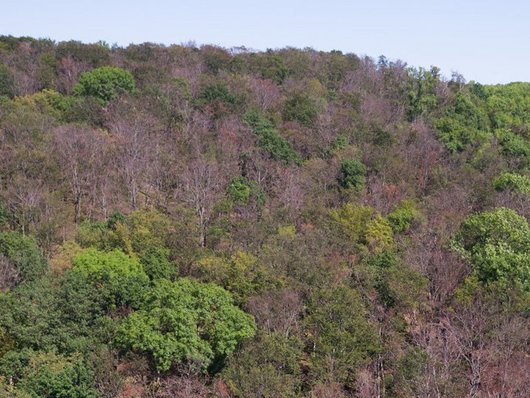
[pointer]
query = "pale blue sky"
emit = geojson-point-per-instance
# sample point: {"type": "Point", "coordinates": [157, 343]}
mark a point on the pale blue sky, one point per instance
{"type": "Point", "coordinates": [485, 40]}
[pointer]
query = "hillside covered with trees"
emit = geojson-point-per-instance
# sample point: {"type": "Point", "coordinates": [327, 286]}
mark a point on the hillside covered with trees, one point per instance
{"type": "Point", "coordinates": [183, 221]}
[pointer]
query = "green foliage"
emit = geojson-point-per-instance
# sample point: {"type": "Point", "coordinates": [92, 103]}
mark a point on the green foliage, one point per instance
{"type": "Point", "coordinates": [66, 315]}
{"type": "Point", "coordinates": [270, 140]}
{"type": "Point", "coordinates": [136, 234]}
{"type": "Point", "coordinates": [340, 335]}
{"type": "Point", "coordinates": [463, 124]}
{"type": "Point", "coordinates": [397, 285]}
{"type": "Point", "coordinates": [343, 297]}
{"type": "Point", "coordinates": [48, 375]}
{"type": "Point", "coordinates": [7, 82]}
{"type": "Point", "coordinates": [267, 367]}
{"type": "Point", "coordinates": [115, 218]}
{"type": "Point", "coordinates": [50, 102]}
{"type": "Point", "coordinates": [272, 66]}
{"type": "Point", "coordinates": [147, 229]}
{"type": "Point", "coordinates": [120, 278]}
{"type": "Point", "coordinates": [94, 54]}
{"type": "Point", "coordinates": [341, 142]}
{"type": "Point", "coordinates": [302, 109]}
{"type": "Point", "coordinates": [27, 315]}
{"type": "Point", "coordinates": [217, 93]}
{"type": "Point", "coordinates": [185, 322]}
{"type": "Point", "coordinates": [242, 190]}
{"type": "Point", "coordinates": [218, 99]}
{"type": "Point", "coordinates": [24, 253]}
{"type": "Point", "coordinates": [157, 264]}
{"type": "Point", "coordinates": [241, 274]}
{"type": "Point", "coordinates": [422, 98]}
{"type": "Point", "coordinates": [497, 245]}
{"type": "Point", "coordinates": [403, 215]}
{"type": "Point", "coordinates": [514, 145]}
{"type": "Point", "coordinates": [509, 105]}
{"type": "Point", "coordinates": [353, 220]}
{"type": "Point", "coordinates": [409, 373]}
{"type": "Point", "coordinates": [379, 235]}
{"type": "Point", "coordinates": [105, 83]}
{"type": "Point", "coordinates": [352, 174]}
{"type": "Point", "coordinates": [512, 181]}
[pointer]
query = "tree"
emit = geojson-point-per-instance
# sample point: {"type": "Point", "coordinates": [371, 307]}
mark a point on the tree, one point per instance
{"type": "Point", "coordinates": [134, 137]}
{"type": "Point", "coordinates": [512, 181]}
{"type": "Point", "coordinates": [119, 278]}
{"type": "Point", "coordinates": [201, 183]}
{"type": "Point", "coordinates": [302, 109]}
{"type": "Point", "coordinates": [352, 174]}
{"type": "Point", "coordinates": [185, 322]}
{"type": "Point", "coordinates": [403, 215]}
{"type": "Point", "coordinates": [270, 140]}
{"type": "Point", "coordinates": [497, 245]}
{"type": "Point", "coordinates": [267, 367]}
{"type": "Point", "coordinates": [81, 154]}
{"type": "Point", "coordinates": [48, 375]}
{"type": "Point", "coordinates": [340, 336]}
{"type": "Point", "coordinates": [20, 259]}
{"type": "Point", "coordinates": [7, 83]}
{"type": "Point", "coordinates": [105, 83]}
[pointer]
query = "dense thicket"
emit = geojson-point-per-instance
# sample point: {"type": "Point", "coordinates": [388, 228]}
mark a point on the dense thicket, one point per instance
{"type": "Point", "coordinates": [189, 222]}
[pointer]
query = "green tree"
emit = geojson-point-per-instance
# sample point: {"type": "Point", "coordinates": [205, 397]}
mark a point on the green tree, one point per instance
{"type": "Point", "coordinates": [242, 190]}
{"type": "Point", "coordinates": [403, 215]}
{"type": "Point", "coordinates": [497, 245]}
{"type": "Point", "coordinates": [266, 367]}
{"type": "Point", "coordinates": [512, 181]}
{"type": "Point", "coordinates": [48, 375]}
{"type": "Point", "coordinates": [24, 254]}
{"type": "Point", "coordinates": [185, 322]}
{"type": "Point", "coordinates": [157, 264]}
{"type": "Point", "coordinates": [353, 220]}
{"type": "Point", "coordinates": [242, 274]}
{"type": "Point", "coordinates": [422, 97]}
{"type": "Point", "coordinates": [301, 108]}
{"type": "Point", "coordinates": [270, 140]}
{"type": "Point", "coordinates": [352, 174]}
{"type": "Point", "coordinates": [339, 334]}
{"type": "Point", "coordinates": [119, 277]}
{"type": "Point", "coordinates": [105, 83]}
{"type": "Point", "coordinates": [7, 82]}
{"type": "Point", "coordinates": [464, 123]}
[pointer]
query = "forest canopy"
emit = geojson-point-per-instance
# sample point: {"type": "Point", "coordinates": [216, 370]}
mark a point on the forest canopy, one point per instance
{"type": "Point", "coordinates": [184, 221]}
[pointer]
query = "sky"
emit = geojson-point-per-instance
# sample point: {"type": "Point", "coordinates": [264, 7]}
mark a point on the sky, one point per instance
{"type": "Point", "coordinates": [484, 40]}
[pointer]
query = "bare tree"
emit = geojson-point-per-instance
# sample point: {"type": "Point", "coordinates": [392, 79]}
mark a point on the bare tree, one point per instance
{"type": "Point", "coordinates": [277, 311]}
{"type": "Point", "coordinates": [80, 152]}
{"type": "Point", "coordinates": [68, 73]}
{"type": "Point", "coordinates": [200, 188]}
{"type": "Point", "coordinates": [134, 143]}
